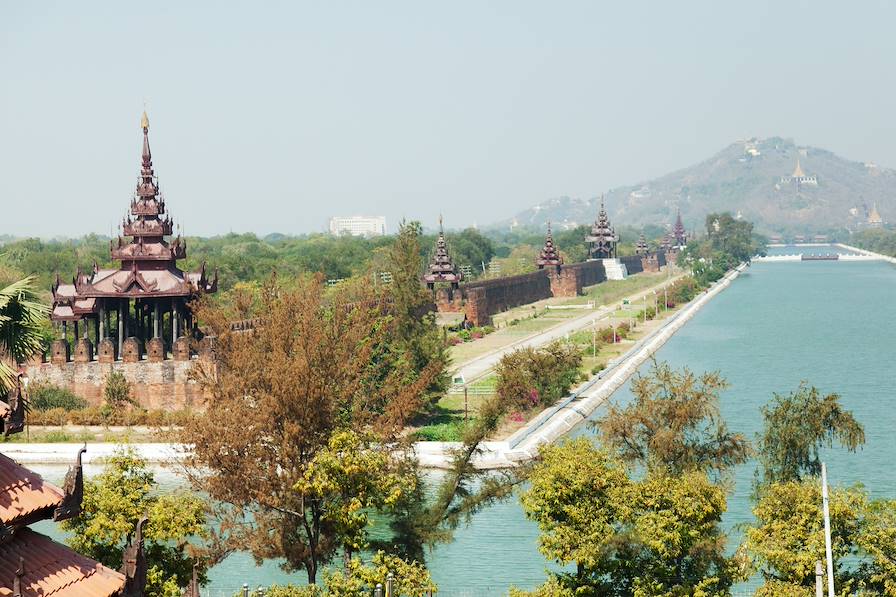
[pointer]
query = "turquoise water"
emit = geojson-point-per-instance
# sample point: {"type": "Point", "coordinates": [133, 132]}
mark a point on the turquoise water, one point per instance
{"type": "Point", "coordinates": [830, 323]}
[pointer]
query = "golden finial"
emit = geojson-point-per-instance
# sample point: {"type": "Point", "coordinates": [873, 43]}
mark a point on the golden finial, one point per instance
{"type": "Point", "coordinates": [144, 121]}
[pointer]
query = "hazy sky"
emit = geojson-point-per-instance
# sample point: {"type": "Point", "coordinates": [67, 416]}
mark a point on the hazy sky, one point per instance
{"type": "Point", "coordinates": [273, 116]}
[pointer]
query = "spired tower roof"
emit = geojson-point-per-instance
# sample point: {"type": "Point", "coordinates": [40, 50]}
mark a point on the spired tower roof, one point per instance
{"type": "Point", "coordinates": [549, 254]}
{"type": "Point", "coordinates": [678, 231]}
{"type": "Point", "coordinates": [602, 239]}
{"type": "Point", "coordinates": [148, 261]}
{"type": "Point", "coordinates": [441, 267]}
{"type": "Point", "coordinates": [798, 171]}
{"type": "Point", "coordinates": [641, 248]}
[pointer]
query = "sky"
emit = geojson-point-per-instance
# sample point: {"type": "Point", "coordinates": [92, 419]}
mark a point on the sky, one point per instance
{"type": "Point", "coordinates": [272, 117]}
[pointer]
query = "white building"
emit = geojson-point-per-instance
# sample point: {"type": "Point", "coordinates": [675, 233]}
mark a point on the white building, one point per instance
{"type": "Point", "coordinates": [799, 177]}
{"type": "Point", "coordinates": [358, 225]}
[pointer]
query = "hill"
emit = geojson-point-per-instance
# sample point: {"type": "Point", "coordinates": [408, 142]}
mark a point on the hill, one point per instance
{"type": "Point", "coordinates": [745, 178]}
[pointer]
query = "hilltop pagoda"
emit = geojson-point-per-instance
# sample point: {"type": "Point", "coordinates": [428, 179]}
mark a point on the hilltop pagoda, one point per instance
{"type": "Point", "coordinates": [549, 256]}
{"type": "Point", "coordinates": [874, 218]}
{"type": "Point", "coordinates": [678, 231]}
{"type": "Point", "coordinates": [602, 240]}
{"type": "Point", "coordinates": [441, 267]}
{"type": "Point", "coordinates": [147, 295]}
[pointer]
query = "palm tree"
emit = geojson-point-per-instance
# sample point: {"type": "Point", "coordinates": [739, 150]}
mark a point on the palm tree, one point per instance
{"type": "Point", "coordinates": [21, 318]}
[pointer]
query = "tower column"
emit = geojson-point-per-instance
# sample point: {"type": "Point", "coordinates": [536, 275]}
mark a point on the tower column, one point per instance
{"type": "Point", "coordinates": [121, 324]}
{"type": "Point", "coordinates": [155, 320]}
{"type": "Point", "coordinates": [101, 321]}
{"type": "Point", "coordinates": [174, 334]}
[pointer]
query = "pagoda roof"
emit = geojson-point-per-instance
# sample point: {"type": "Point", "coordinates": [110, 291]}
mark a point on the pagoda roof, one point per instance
{"type": "Point", "coordinates": [549, 254]}
{"type": "Point", "coordinates": [24, 495]}
{"type": "Point", "coordinates": [49, 569]}
{"type": "Point", "coordinates": [798, 171]}
{"type": "Point", "coordinates": [149, 262]}
{"type": "Point", "coordinates": [441, 267]}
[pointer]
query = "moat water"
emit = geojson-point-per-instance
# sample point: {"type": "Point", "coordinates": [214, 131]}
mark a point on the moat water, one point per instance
{"type": "Point", "coordinates": [829, 323]}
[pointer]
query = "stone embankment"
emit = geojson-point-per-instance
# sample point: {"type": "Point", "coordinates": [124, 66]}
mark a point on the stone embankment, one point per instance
{"type": "Point", "coordinates": [558, 420]}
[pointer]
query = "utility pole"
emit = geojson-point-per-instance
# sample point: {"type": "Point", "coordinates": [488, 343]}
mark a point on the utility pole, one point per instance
{"type": "Point", "coordinates": [465, 402]}
{"type": "Point", "coordinates": [819, 579]}
{"type": "Point", "coordinates": [594, 337]}
{"type": "Point", "coordinates": [827, 529]}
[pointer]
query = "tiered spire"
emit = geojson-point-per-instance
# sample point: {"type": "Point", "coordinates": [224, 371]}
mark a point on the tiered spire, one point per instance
{"type": "Point", "coordinates": [549, 254]}
{"type": "Point", "coordinates": [641, 248]}
{"type": "Point", "coordinates": [681, 237]}
{"type": "Point", "coordinates": [441, 268]}
{"type": "Point", "coordinates": [602, 240]}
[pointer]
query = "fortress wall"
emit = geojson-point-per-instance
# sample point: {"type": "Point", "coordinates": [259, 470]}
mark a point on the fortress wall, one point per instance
{"type": "Point", "coordinates": [632, 264]}
{"type": "Point", "coordinates": [163, 385]}
{"type": "Point", "coordinates": [488, 297]}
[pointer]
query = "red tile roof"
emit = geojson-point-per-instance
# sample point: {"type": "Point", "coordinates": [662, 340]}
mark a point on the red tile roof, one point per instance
{"type": "Point", "coordinates": [23, 492]}
{"type": "Point", "coordinates": [53, 570]}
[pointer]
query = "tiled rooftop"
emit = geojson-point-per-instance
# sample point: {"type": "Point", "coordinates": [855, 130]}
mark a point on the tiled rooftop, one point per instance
{"type": "Point", "coordinates": [53, 570]}
{"type": "Point", "coordinates": [23, 492]}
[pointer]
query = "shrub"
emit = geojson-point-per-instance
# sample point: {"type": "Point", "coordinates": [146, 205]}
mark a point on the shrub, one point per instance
{"type": "Point", "coordinates": [528, 377]}
{"type": "Point", "coordinates": [43, 396]}
{"type": "Point", "coordinates": [118, 390]}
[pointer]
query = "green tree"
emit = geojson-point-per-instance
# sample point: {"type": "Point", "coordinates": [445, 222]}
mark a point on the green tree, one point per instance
{"type": "Point", "coordinates": [797, 426]}
{"type": "Point", "coordinates": [415, 336]}
{"type": "Point", "coordinates": [21, 326]}
{"type": "Point", "coordinates": [656, 536]}
{"type": "Point", "coordinates": [788, 537]}
{"type": "Point", "coordinates": [113, 504]}
{"type": "Point", "coordinates": [348, 480]}
{"type": "Point", "coordinates": [410, 579]}
{"type": "Point", "coordinates": [673, 425]}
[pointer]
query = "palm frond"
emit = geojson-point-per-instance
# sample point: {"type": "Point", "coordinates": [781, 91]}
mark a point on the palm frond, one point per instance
{"type": "Point", "coordinates": [21, 317]}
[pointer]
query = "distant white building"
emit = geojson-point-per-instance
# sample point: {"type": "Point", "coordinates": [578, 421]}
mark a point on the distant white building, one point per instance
{"type": "Point", "coordinates": [358, 225]}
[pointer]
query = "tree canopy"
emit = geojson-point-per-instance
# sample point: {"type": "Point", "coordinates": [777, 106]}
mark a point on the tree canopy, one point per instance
{"type": "Point", "coordinates": [673, 424]}
{"type": "Point", "coordinates": [659, 535]}
{"type": "Point", "coordinates": [797, 426]}
{"type": "Point", "coordinates": [113, 504]}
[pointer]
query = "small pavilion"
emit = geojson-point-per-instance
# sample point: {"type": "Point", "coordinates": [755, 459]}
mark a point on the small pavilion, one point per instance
{"type": "Point", "coordinates": [602, 240]}
{"type": "Point", "coordinates": [550, 255]}
{"type": "Point", "coordinates": [145, 301]}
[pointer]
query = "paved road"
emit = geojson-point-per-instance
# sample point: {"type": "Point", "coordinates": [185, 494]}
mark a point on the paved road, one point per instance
{"type": "Point", "coordinates": [480, 366]}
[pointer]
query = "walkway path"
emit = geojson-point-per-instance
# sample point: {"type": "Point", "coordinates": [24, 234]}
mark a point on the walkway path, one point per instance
{"type": "Point", "coordinates": [482, 365]}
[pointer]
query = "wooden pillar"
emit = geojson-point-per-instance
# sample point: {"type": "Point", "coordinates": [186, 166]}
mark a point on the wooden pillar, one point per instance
{"type": "Point", "coordinates": [174, 334]}
{"type": "Point", "coordinates": [65, 331]}
{"type": "Point", "coordinates": [155, 319]}
{"type": "Point", "coordinates": [77, 336]}
{"type": "Point", "coordinates": [96, 331]}
{"type": "Point", "coordinates": [120, 328]}
{"type": "Point", "coordinates": [101, 321]}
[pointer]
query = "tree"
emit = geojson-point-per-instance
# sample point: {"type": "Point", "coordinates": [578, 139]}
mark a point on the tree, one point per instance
{"type": "Point", "coordinates": [788, 537]}
{"type": "Point", "coordinates": [656, 536]}
{"type": "Point", "coordinates": [410, 579]}
{"type": "Point", "coordinates": [797, 426]}
{"type": "Point", "coordinates": [349, 478]}
{"type": "Point", "coordinates": [21, 326]}
{"type": "Point", "coordinates": [529, 377]}
{"type": "Point", "coordinates": [316, 364]}
{"type": "Point", "coordinates": [729, 242]}
{"type": "Point", "coordinates": [415, 333]}
{"type": "Point", "coordinates": [113, 504]}
{"type": "Point", "coordinates": [673, 424]}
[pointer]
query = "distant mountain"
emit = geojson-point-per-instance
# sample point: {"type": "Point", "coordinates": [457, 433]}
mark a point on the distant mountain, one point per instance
{"type": "Point", "coordinates": [753, 178]}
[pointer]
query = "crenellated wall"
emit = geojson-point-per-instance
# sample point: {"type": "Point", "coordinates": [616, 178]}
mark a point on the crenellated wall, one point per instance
{"type": "Point", "coordinates": [483, 299]}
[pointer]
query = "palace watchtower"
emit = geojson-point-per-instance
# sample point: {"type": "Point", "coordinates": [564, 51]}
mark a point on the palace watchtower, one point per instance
{"type": "Point", "coordinates": [145, 301]}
